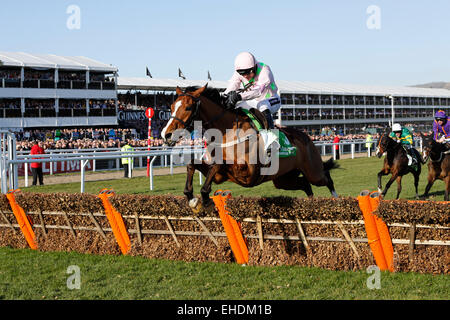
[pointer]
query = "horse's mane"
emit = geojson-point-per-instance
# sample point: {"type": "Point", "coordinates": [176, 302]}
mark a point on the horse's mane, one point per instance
{"type": "Point", "coordinates": [210, 93]}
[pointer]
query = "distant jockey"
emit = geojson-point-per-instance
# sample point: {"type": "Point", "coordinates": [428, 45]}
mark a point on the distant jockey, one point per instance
{"type": "Point", "coordinates": [405, 138]}
{"type": "Point", "coordinates": [441, 127]}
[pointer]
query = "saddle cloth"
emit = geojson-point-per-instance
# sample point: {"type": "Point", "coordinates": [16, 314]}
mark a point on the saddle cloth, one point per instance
{"type": "Point", "coordinates": [278, 138]}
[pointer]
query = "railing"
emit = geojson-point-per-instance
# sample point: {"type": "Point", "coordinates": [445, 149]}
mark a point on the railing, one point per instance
{"type": "Point", "coordinates": [354, 147]}
{"type": "Point", "coordinates": [51, 112]}
{"type": "Point", "coordinates": [62, 84]}
{"type": "Point", "coordinates": [10, 113]}
{"type": "Point", "coordinates": [10, 160]}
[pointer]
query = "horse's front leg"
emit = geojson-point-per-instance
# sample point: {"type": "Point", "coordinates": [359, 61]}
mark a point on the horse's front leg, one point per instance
{"type": "Point", "coordinates": [431, 179]}
{"type": "Point", "coordinates": [399, 186]}
{"type": "Point", "coordinates": [189, 189]}
{"type": "Point", "coordinates": [416, 183]}
{"type": "Point", "coordinates": [447, 188]}
{"type": "Point", "coordinates": [206, 188]}
{"type": "Point", "coordinates": [380, 174]}
{"type": "Point", "coordinates": [388, 185]}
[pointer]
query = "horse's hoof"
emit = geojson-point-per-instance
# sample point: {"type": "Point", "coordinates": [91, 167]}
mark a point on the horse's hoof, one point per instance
{"type": "Point", "coordinates": [209, 207]}
{"type": "Point", "coordinates": [195, 205]}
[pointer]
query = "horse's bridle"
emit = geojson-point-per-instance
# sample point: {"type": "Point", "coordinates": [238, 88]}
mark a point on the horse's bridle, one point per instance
{"type": "Point", "coordinates": [380, 146]}
{"type": "Point", "coordinates": [194, 108]}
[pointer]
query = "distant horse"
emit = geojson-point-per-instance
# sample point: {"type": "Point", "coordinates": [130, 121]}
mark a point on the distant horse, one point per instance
{"type": "Point", "coordinates": [294, 173]}
{"type": "Point", "coordinates": [439, 165]}
{"type": "Point", "coordinates": [396, 164]}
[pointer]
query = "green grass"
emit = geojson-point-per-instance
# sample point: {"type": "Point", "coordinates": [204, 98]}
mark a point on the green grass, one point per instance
{"type": "Point", "coordinates": [353, 176]}
{"type": "Point", "coordinates": [27, 274]}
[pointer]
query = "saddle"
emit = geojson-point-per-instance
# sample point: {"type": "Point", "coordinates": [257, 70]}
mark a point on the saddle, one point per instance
{"type": "Point", "coordinates": [416, 158]}
{"type": "Point", "coordinates": [258, 120]}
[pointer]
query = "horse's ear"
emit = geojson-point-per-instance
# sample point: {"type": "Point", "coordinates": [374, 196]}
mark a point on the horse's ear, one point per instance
{"type": "Point", "coordinates": [198, 92]}
{"type": "Point", "coordinates": [178, 90]}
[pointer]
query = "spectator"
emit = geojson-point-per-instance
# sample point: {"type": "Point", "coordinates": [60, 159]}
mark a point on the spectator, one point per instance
{"type": "Point", "coordinates": [112, 134]}
{"type": "Point", "coordinates": [369, 140]}
{"type": "Point", "coordinates": [336, 141]}
{"type": "Point", "coordinates": [127, 162]}
{"type": "Point", "coordinates": [36, 167]}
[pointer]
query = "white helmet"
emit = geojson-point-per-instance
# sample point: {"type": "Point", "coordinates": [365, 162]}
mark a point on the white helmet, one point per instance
{"type": "Point", "coordinates": [396, 127]}
{"type": "Point", "coordinates": [244, 61]}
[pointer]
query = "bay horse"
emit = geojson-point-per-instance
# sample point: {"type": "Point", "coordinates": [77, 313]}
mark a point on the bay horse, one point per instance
{"type": "Point", "coordinates": [439, 165]}
{"type": "Point", "coordinates": [396, 164]}
{"type": "Point", "coordinates": [204, 104]}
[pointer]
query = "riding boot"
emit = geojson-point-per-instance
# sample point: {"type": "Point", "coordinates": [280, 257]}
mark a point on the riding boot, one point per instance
{"type": "Point", "coordinates": [269, 119]}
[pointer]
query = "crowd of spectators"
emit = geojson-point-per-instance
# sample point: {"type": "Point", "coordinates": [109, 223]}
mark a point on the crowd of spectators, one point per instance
{"type": "Point", "coordinates": [10, 104]}
{"type": "Point", "coordinates": [90, 138]}
{"type": "Point", "coordinates": [38, 75]}
{"type": "Point", "coordinates": [10, 74]}
{"type": "Point", "coordinates": [39, 104]}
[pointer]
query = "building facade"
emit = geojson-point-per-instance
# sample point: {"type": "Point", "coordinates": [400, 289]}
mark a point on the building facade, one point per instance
{"type": "Point", "coordinates": [39, 91]}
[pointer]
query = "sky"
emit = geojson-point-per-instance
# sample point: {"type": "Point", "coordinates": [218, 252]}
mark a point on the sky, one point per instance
{"type": "Point", "coordinates": [386, 42]}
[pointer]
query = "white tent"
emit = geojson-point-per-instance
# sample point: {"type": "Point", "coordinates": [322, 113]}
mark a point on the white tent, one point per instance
{"type": "Point", "coordinates": [21, 59]}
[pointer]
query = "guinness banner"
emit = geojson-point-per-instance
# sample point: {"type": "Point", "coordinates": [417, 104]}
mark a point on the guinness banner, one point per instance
{"type": "Point", "coordinates": [136, 119]}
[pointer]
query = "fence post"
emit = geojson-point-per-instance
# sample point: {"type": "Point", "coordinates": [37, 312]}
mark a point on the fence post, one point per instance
{"type": "Point", "coordinates": [82, 164]}
{"type": "Point", "coordinates": [353, 150]}
{"type": "Point", "coordinates": [94, 163]}
{"type": "Point", "coordinates": [25, 165]}
{"type": "Point", "coordinates": [151, 173]}
{"type": "Point", "coordinates": [51, 165]}
{"type": "Point", "coordinates": [130, 167]}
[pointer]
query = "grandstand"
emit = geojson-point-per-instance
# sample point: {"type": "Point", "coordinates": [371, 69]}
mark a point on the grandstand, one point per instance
{"type": "Point", "coordinates": [49, 91]}
{"type": "Point", "coordinates": [56, 91]}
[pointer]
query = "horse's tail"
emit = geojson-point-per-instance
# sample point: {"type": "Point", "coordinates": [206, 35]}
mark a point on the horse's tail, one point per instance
{"type": "Point", "coordinates": [330, 165]}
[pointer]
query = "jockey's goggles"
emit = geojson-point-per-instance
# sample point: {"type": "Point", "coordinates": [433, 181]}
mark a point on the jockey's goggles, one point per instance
{"type": "Point", "coordinates": [244, 72]}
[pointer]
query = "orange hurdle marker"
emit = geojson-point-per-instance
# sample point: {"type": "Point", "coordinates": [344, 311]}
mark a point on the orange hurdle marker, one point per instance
{"type": "Point", "coordinates": [383, 232]}
{"type": "Point", "coordinates": [232, 227]}
{"type": "Point", "coordinates": [22, 220]}
{"type": "Point", "coordinates": [371, 230]}
{"type": "Point", "coordinates": [116, 221]}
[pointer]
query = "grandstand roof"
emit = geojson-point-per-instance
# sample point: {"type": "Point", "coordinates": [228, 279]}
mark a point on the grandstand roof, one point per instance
{"type": "Point", "coordinates": [19, 59]}
{"type": "Point", "coordinates": [125, 83]}
{"type": "Point", "coordinates": [163, 84]}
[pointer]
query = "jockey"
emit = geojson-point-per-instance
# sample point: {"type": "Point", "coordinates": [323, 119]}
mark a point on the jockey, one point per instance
{"type": "Point", "coordinates": [260, 90]}
{"type": "Point", "coordinates": [441, 127]}
{"type": "Point", "coordinates": [405, 138]}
